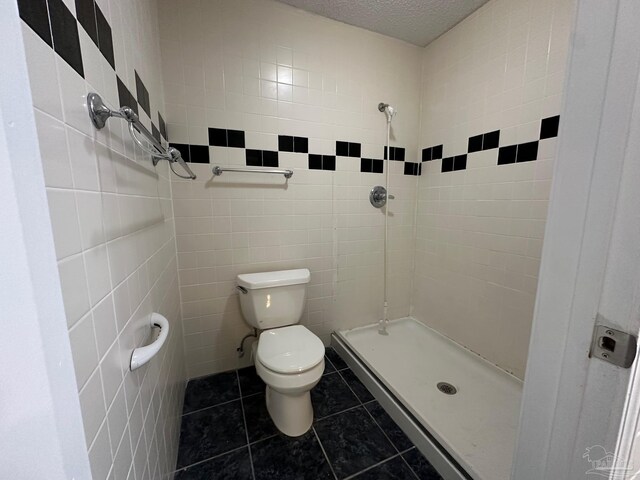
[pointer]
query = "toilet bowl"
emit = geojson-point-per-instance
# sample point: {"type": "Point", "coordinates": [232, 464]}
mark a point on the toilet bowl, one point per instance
{"type": "Point", "coordinates": [289, 358]}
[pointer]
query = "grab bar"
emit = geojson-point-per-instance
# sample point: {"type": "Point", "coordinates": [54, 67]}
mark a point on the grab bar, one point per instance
{"type": "Point", "coordinates": [142, 355]}
{"type": "Point", "coordinates": [217, 171]}
{"type": "Point", "coordinates": [100, 113]}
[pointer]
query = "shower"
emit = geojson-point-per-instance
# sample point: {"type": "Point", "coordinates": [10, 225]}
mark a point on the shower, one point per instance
{"type": "Point", "coordinates": [381, 194]}
{"type": "Point", "coordinates": [388, 110]}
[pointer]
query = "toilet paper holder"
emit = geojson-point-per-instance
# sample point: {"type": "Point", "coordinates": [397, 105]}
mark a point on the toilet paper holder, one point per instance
{"type": "Point", "coordinates": [142, 355]}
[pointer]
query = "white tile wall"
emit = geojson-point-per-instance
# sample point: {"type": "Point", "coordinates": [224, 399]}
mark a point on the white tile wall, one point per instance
{"type": "Point", "coordinates": [269, 69]}
{"type": "Point", "coordinates": [479, 231]}
{"type": "Point", "coordinates": [114, 233]}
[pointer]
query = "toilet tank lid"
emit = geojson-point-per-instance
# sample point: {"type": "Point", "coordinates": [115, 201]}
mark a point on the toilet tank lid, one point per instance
{"type": "Point", "coordinates": [254, 281]}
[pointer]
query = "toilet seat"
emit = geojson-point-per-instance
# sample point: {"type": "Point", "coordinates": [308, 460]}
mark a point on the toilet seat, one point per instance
{"type": "Point", "coordinates": [289, 350]}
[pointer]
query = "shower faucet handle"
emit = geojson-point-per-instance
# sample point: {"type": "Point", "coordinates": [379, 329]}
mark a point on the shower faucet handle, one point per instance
{"type": "Point", "coordinates": [378, 196]}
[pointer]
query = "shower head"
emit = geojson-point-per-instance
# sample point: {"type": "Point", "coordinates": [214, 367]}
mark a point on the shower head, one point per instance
{"type": "Point", "coordinates": [387, 109]}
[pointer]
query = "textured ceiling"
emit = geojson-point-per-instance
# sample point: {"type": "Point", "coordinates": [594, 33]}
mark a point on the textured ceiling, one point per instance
{"type": "Point", "coordinates": [414, 21]}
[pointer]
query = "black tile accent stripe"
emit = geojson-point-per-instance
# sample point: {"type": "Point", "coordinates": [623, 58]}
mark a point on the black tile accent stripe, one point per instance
{"type": "Point", "coordinates": [86, 15]}
{"type": "Point", "coordinates": [125, 96]}
{"type": "Point", "coordinates": [142, 94]}
{"type": "Point", "coordinates": [371, 165]}
{"type": "Point", "coordinates": [491, 140]}
{"type": "Point", "coordinates": [162, 126]}
{"type": "Point", "coordinates": [155, 132]}
{"type": "Point", "coordinates": [288, 143]}
{"type": "Point", "coordinates": [485, 141]}
{"type": "Point", "coordinates": [64, 29]}
{"type": "Point", "coordinates": [322, 162]}
{"type": "Point", "coordinates": [459, 162]}
{"type": "Point", "coordinates": [507, 154]}
{"type": "Point", "coordinates": [475, 144]}
{"type": "Point", "coordinates": [261, 158]}
{"type": "Point", "coordinates": [192, 153]}
{"type": "Point", "coordinates": [549, 127]}
{"type": "Point", "coordinates": [527, 152]}
{"type": "Point", "coordinates": [348, 149]}
{"type": "Point", "coordinates": [184, 150]}
{"type": "Point", "coordinates": [523, 152]}
{"type": "Point", "coordinates": [411, 168]}
{"type": "Point", "coordinates": [35, 14]}
{"type": "Point", "coordinates": [220, 137]}
{"type": "Point", "coordinates": [105, 38]}
{"type": "Point", "coordinates": [199, 153]}
{"type": "Point", "coordinates": [397, 153]}
{"type": "Point", "coordinates": [447, 164]}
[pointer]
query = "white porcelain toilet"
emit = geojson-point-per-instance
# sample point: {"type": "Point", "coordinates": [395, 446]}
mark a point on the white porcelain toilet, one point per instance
{"type": "Point", "coordinates": [289, 358]}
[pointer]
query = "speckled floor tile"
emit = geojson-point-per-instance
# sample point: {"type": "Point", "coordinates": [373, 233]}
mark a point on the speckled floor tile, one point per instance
{"type": "Point", "coordinates": [393, 431]}
{"type": "Point", "coordinates": [210, 432]}
{"type": "Point", "coordinates": [209, 391]}
{"type": "Point", "coordinates": [250, 382]}
{"type": "Point", "coordinates": [259, 423]}
{"type": "Point", "coordinates": [335, 359]}
{"type": "Point", "coordinates": [394, 469]}
{"type": "Point", "coordinates": [364, 395]}
{"type": "Point", "coordinates": [332, 395]}
{"type": "Point", "coordinates": [353, 441]}
{"type": "Point", "coordinates": [286, 458]}
{"type": "Point", "coordinates": [420, 465]}
{"type": "Point", "coordinates": [234, 465]}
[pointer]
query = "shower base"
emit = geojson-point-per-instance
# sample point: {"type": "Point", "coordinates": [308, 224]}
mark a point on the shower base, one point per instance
{"type": "Point", "coordinates": [459, 410]}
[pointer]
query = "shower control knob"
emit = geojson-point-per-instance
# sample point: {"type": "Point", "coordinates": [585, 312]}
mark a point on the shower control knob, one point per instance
{"type": "Point", "coordinates": [378, 196]}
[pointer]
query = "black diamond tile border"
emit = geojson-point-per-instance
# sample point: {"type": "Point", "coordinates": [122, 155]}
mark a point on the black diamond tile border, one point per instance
{"type": "Point", "coordinates": [371, 165]}
{"type": "Point", "coordinates": [55, 24]}
{"type": "Point", "coordinates": [348, 149]}
{"type": "Point", "coordinates": [322, 162]}
{"type": "Point", "coordinates": [261, 158]}
{"type": "Point", "coordinates": [143, 94]}
{"type": "Point", "coordinates": [226, 432]}
{"type": "Point", "coordinates": [397, 153]}
{"type": "Point", "coordinates": [64, 29]}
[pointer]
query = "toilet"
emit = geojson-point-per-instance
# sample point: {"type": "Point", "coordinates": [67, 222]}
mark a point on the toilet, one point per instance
{"type": "Point", "coordinates": [288, 357]}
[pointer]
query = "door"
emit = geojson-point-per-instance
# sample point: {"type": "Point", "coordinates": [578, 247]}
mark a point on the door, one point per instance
{"type": "Point", "coordinates": [580, 415]}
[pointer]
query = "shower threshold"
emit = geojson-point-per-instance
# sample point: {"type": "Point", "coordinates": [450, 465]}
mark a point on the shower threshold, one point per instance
{"type": "Point", "coordinates": [460, 410]}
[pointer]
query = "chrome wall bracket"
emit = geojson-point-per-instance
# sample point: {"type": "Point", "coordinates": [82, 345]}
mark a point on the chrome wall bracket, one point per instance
{"type": "Point", "coordinates": [99, 113]}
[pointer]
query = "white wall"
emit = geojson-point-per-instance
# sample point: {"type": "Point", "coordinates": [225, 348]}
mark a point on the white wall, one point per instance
{"type": "Point", "coordinates": [221, 62]}
{"type": "Point", "coordinates": [40, 407]}
{"type": "Point", "coordinates": [480, 230]}
{"type": "Point", "coordinates": [113, 229]}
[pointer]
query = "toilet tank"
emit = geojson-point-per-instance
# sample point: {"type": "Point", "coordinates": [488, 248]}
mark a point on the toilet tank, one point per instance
{"type": "Point", "coordinates": [273, 299]}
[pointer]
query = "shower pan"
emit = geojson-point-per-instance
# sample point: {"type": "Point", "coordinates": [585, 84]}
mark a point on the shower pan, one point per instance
{"type": "Point", "coordinates": [459, 409]}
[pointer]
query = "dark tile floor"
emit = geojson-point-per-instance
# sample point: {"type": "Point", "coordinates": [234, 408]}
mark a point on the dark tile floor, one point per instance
{"type": "Point", "coordinates": [226, 433]}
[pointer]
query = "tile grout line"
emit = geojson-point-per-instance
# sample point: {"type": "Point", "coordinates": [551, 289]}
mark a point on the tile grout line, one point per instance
{"type": "Point", "coordinates": [324, 452]}
{"type": "Point", "coordinates": [338, 413]}
{"type": "Point", "coordinates": [407, 463]}
{"type": "Point", "coordinates": [349, 386]}
{"type": "Point", "coordinates": [383, 432]}
{"type": "Point", "coordinates": [208, 459]}
{"type": "Point", "coordinates": [246, 430]}
{"type": "Point", "coordinates": [371, 467]}
{"type": "Point", "coordinates": [381, 429]}
{"type": "Point", "coordinates": [210, 406]}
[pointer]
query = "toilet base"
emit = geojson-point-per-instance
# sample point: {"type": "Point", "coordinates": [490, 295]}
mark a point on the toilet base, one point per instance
{"type": "Point", "coordinates": [291, 414]}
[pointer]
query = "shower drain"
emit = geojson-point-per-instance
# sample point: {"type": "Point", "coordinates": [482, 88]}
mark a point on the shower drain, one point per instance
{"type": "Point", "coordinates": [447, 388]}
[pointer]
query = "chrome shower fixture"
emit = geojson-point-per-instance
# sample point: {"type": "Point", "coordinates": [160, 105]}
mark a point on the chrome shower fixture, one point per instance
{"type": "Point", "coordinates": [388, 110]}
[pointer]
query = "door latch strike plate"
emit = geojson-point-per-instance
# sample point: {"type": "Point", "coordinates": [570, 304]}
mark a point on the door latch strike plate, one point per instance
{"type": "Point", "coordinates": [613, 346]}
